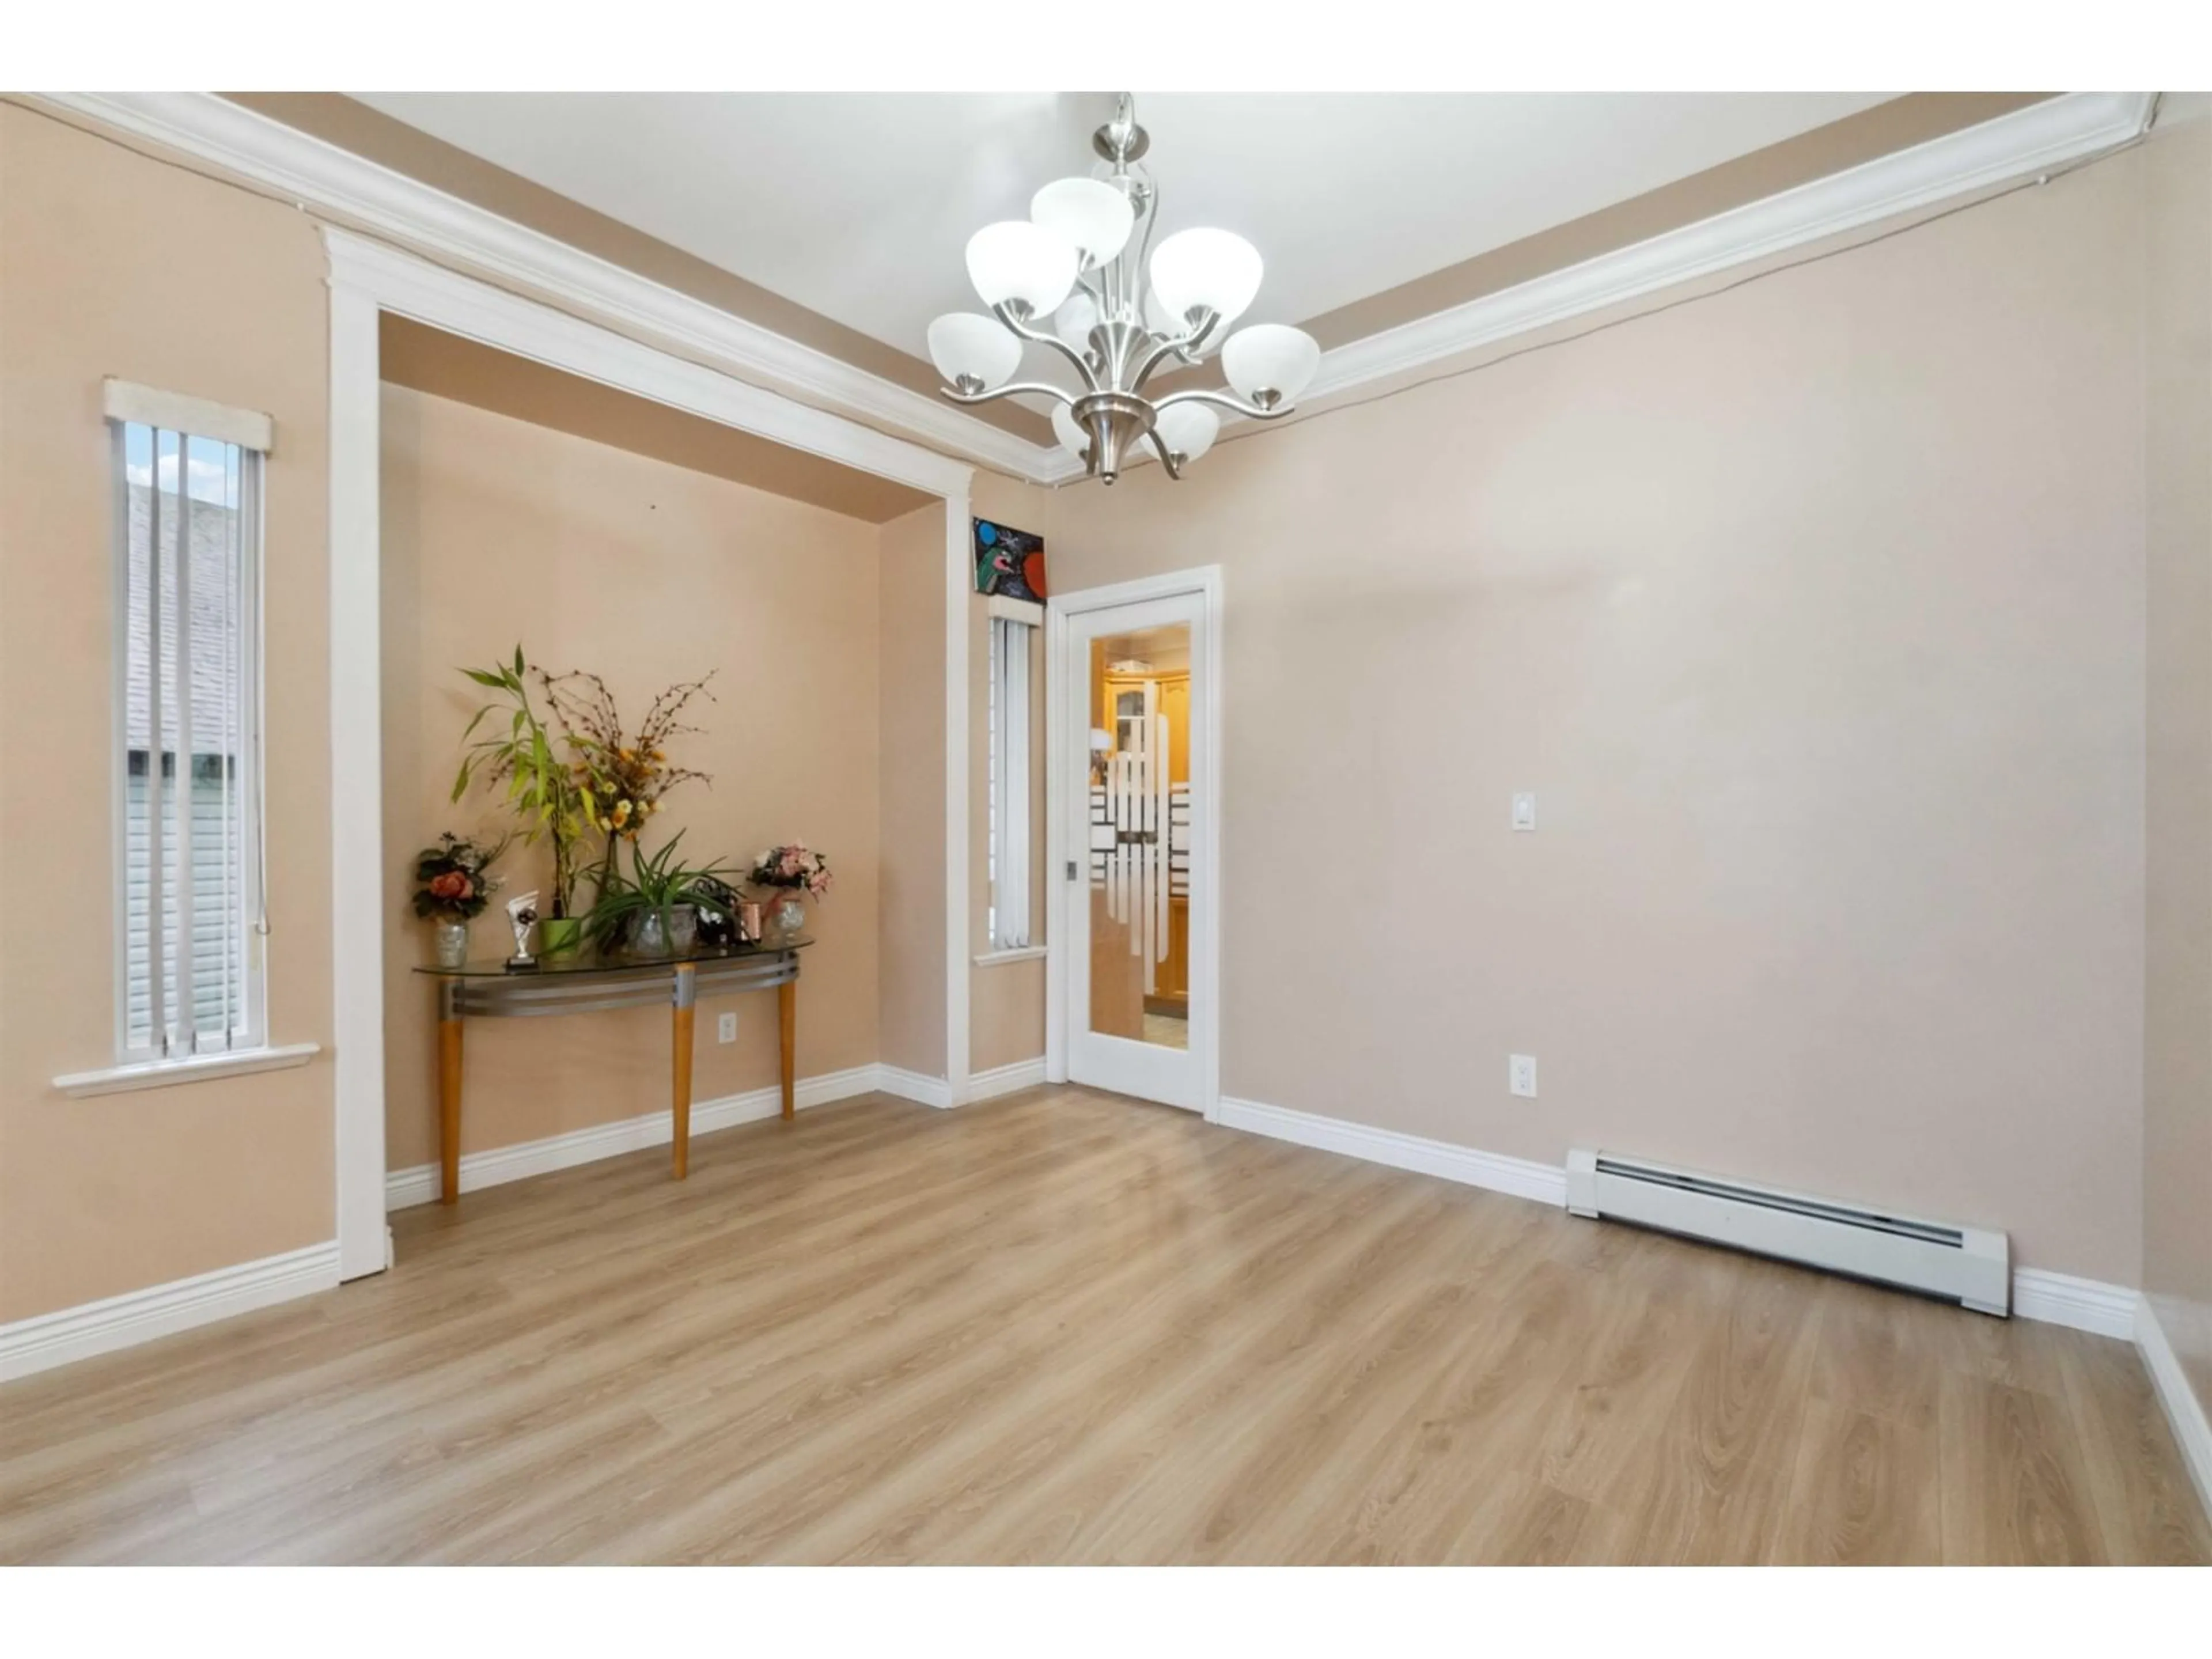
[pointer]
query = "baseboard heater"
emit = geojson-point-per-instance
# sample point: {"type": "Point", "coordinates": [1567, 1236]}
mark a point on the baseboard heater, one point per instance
{"type": "Point", "coordinates": [1968, 1264]}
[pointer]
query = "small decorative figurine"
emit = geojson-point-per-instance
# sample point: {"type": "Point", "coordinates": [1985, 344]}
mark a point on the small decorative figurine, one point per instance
{"type": "Point", "coordinates": [522, 917]}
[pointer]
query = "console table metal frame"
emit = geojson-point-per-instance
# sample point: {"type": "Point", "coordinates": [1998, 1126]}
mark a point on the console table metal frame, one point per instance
{"type": "Point", "coordinates": [677, 986]}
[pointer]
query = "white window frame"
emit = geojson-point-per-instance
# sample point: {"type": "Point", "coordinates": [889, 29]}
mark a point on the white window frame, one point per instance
{"type": "Point", "coordinates": [1013, 626]}
{"type": "Point", "coordinates": [186, 418]}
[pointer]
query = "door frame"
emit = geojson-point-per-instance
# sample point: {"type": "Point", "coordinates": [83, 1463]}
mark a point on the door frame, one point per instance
{"type": "Point", "coordinates": [1060, 763]}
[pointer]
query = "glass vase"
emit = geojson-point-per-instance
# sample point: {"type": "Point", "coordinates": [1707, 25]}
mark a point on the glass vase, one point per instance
{"type": "Point", "coordinates": [682, 928]}
{"type": "Point", "coordinates": [452, 944]}
{"type": "Point", "coordinates": [790, 915]}
{"type": "Point", "coordinates": [648, 934]}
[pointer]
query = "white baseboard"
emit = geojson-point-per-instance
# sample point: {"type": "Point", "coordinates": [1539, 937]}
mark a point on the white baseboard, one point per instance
{"type": "Point", "coordinates": [2080, 1304]}
{"type": "Point", "coordinates": [2182, 1408]}
{"type": "Point", "coordinates": [1546, 1183]}
{"type": "Point", "coordinates": [120, 1321]}
{"type": "Point", "coordinates": [1006, 1079]}
{"type": "Point", "coordinates": [404, 1188]}
{"type": "Point", "coordinates": [912, 1085]}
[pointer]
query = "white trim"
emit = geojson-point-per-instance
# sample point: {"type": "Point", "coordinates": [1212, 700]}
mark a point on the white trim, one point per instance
{"type": "Point", "coordinates": [367, 278]}
{"type": "Point", "coordinates": [1028, 612]}
{"type": "Point", "coordinates": [913, 1086]}
{"type": "Point", "coordinates": [177, 411]}
{"type": "Point", "coordinates": [1007, 1079]}
{"type": "Point", "coordinates": [193, 1068]}
{"type": "Point", "coordinates": [2080, 1304]}
{"type": "Point", "coordinates": [1546, 1183]}
{"type": "Point", "coordinates": [1062, 698]}
{"type": "Point", "coordinates": [322, 175]}
{"type": "Point", "coordinates": [959, 583]}
{"type": "Point", "coordinates": [357, 899]}
{"type": "Point", "coordinates": [2056, 131]}
{"type": "Point", "coordinates": [120, 1321]}
{"type": "Point", "coordinates": [2183, 1410]}
{"type": "Point", "coordinates": [497, 1166]}
{"type": "Point", "coordinates": [307, 169]}
{"type": "Point", "coordinates": [444, 298]}
{"type": "Point", "coordinates": [1000, 959]}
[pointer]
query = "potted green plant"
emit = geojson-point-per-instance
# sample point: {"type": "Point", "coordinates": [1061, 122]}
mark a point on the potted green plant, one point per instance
{"type": "Point", "coordinates": [549, 791]}
{"type": "Point", "coordinates": [653, 909]}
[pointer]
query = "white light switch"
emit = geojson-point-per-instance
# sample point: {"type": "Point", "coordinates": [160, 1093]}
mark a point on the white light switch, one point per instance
{"type": "Point", "coordinates": [725, 1029]}
{"type": "Point", "coordinates": [1524, 812]}
{"type": "Point", "coordinates": [1521, 1075]}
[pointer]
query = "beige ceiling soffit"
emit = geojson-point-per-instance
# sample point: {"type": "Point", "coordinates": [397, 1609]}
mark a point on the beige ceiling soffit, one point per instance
{"type": "Point", "coordinates": [374, 136]}
{"type": "Point", "coordinates": [322, 175]}
{"type": "Point", "coordinates": [1913, 118]}
{"type": "Point", "coordinates": [2047, 134]}
{"type": "Point", "coordinates": [430, 360]}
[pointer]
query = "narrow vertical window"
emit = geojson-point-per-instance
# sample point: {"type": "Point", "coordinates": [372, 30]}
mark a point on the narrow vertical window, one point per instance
{"type": "Point", "coordinates": [1010, 782]}
{"type": "Point", "coordinates": [188, 842]}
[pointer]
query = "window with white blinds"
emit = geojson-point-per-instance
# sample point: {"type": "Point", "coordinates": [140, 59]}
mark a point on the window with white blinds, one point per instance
{"type": "Point", "coordinates": [1010, 784]}
{"type": "Point", "coordinates": [188, 845]}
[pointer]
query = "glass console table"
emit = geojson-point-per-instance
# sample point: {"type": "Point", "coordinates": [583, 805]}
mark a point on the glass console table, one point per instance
{"type": "Point", "coordinates": [584, 983]}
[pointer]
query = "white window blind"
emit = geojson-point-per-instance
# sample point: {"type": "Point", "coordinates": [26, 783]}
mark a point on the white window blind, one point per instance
{"type": "Point", "coordinates": [1010, 784]}
{"type": "Point", "coordinates": [189, 877]}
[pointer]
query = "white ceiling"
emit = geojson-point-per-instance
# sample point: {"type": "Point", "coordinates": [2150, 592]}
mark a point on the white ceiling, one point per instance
{"type": "Point", "coordinates": [860, 205]}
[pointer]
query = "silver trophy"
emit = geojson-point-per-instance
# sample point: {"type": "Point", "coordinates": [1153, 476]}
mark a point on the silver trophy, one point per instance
{"type": "Point", "coordinates": [522, 917]}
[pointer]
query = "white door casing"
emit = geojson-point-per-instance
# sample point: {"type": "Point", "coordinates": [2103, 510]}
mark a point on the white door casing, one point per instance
{"type": "Point", "coordinates": [1188, 1078]}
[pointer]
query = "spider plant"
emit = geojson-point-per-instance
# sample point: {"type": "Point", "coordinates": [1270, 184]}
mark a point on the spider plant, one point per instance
{"type": "Point", "coordinates": [654, 885]}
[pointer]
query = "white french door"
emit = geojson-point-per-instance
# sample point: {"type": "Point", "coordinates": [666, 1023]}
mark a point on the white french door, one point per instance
{"type": "Point", "coordinates": [1132, 789]}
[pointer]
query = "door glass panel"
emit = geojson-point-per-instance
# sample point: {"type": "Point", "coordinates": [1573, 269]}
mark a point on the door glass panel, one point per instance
{"type": "Point", "coordinates": [1140, 814]}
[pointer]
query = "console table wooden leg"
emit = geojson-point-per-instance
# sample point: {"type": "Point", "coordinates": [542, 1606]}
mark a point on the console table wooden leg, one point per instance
{"type": "Point", "coordinates": [449, 1100]}
{"type": "Point", "coordinates": [687, 991]}
{"type": "Point", "coordinates": [787, 1020]}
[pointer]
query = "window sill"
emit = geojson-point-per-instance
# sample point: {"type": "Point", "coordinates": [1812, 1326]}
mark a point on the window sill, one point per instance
{"type": "Point", "coordinates": [1000, 959]}
{"type": "Point", "coordinates": [166, 1073]}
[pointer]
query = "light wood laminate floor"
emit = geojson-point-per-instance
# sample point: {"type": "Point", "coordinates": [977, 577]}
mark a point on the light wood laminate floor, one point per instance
{"type": "Point", "coordinates": [1063, 1327]}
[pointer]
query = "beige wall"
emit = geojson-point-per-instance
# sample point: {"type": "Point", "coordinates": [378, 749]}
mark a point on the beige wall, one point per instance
{"type": "Point", "coordinates": [497, 531]}
{"type": "Point", "coordinates": [911, 952]}
{"type": "Point", "coordinates": [111, 265]}
{"type": "Point", "coordinates": [1813, 612]}
{"type": "Point", "coordinates": [2178, 1052]}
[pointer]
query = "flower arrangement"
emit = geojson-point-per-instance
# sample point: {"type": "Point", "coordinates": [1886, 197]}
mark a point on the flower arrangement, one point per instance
{"type": "Point", "coordinates": [453, 883]}
{"type": "Point", "coordinates": [623, 777]}
{"type": "Point", "coordinates": [792, 868]}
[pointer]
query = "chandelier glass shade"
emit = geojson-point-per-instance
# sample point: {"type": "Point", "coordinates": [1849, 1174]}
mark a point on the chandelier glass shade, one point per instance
{"type": "Point", "coordinates": [1080, 277]}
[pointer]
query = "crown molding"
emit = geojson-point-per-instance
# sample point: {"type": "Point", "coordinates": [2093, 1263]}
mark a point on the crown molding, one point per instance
{"type": "Point", "coordinates": [2056, 131]}
{"type": "Point", "coordinates": [322, 176]}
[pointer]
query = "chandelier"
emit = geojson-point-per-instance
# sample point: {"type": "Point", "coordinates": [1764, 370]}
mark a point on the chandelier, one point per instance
{"type": "Point", "coordinates": [1074, 277]}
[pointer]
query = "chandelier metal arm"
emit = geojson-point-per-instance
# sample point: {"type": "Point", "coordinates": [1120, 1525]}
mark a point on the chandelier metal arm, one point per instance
{"type": "Point", "coordinates": [1166, 455]}
{"type": "Point", "coordinates": [1045, 388]}
{"type": "Point", "coordinates": [1249, 411]}
{"type": "Point", "coordinates": [1005, 313]}
{"type": "Point", "coordinates": [1185, 346]}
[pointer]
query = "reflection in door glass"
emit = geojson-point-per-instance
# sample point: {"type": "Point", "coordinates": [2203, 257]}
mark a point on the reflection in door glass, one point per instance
{"type": "Point", "coordinates": [1139, 875]}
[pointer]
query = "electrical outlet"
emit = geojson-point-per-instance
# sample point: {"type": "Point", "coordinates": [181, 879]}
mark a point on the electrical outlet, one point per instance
{"type": "Point", "coordinates": [1521, 1075]}
{"type": "Point", "coordinates": [725, 1029]}
{"type": "Point", "coordinates": [1524, 812]}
